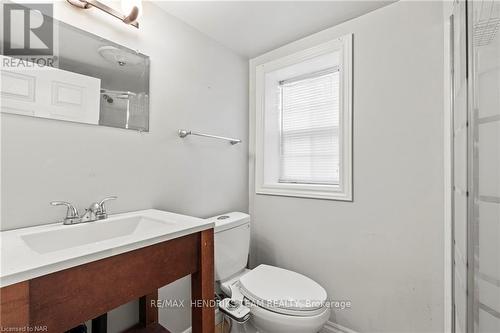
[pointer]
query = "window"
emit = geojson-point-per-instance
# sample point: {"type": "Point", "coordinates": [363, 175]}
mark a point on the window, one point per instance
{"type": "Point", "coordinates": [310, 128]}
{"type": "Point", "coordinates": [303, 123]}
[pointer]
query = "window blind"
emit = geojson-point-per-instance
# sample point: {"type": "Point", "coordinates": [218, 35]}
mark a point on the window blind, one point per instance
{"type": "Point", "coordinates": [309, 137]}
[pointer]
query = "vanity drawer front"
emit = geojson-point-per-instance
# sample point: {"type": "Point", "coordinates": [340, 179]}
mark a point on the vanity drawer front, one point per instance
{"type": "Point", "coordinates": [14, 305]}
{"type": "Point", "coordinates": [60, 300]}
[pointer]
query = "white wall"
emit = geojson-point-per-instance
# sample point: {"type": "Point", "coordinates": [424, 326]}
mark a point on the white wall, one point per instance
{"type": "Point", "coordinates": [195, 83]}
{"type": "Point", "coordinates": [384, 251]}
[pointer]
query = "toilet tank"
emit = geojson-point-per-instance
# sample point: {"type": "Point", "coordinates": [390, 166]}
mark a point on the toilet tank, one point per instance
{"type": "Point", "coordinates": [232, 243]}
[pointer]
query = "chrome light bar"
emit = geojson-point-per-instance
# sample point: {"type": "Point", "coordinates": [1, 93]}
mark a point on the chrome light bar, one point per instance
{"type": "Point", "coordinates": [129, 18]}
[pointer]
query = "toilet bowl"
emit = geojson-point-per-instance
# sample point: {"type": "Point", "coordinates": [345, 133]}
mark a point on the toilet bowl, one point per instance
{"type": "Point", "coordinates": [280, 300]}
{"type": "Point", "coordinates": [268, 321]}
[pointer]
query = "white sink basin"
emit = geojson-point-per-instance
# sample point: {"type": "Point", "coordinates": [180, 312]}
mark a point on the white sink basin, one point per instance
{"type": "Point", "coordinates": [87, 233]}
{"type": "Point", "coordinates": [31, 252]}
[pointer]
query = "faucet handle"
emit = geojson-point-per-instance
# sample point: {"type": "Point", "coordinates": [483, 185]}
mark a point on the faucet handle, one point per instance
{"type": "Point", "coordinates": [71, 213]}
{"type": "Point", "coordinates": [102, 208]}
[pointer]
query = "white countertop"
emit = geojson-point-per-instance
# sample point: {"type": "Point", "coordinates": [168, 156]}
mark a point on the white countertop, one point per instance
{"type": "Point", "coordinates": [21, 260]}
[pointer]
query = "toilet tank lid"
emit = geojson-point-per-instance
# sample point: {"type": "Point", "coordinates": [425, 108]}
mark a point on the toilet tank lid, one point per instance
{"type": "Point", "coordinates": [229, 220]}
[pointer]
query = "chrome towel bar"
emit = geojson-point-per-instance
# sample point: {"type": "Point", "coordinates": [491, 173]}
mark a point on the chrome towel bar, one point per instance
{"type": "Point", "coordinates": [183, 133]}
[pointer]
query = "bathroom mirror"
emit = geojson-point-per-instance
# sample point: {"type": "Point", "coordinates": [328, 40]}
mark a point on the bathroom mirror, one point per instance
{"type": "Point", "coordinates": [88, 79]}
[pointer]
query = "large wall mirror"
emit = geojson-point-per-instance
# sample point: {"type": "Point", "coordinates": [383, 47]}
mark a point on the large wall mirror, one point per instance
{"type": "Point", "coordinates": [89, 80]}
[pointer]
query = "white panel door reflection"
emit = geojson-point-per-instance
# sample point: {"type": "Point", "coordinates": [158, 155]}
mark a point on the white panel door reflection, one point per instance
{"type": "Point", "coordinates": [48, 92]}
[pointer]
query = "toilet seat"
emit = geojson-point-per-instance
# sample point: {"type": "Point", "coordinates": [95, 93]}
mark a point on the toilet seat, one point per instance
{"type": "Point", "coordinates": [283, 291]}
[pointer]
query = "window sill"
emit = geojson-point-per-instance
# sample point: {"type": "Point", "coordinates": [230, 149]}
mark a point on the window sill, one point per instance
{"type": "Point", "coordinates": [310, 191]}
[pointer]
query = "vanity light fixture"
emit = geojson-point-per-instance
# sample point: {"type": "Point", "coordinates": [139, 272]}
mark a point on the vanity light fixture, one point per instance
{"type": "Point", "coordinates": [131, 8]}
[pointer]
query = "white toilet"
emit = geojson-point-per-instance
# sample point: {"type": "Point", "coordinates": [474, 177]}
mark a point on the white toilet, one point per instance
{"type": "Point", "coordinates": [280, 301]}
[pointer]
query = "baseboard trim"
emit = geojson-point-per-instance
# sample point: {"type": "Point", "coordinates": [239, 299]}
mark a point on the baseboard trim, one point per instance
{"type": "Point", "coordinates": [331, 327]}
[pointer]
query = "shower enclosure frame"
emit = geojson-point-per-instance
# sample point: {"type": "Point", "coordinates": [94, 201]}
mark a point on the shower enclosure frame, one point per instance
{"type": "Point", "coordinates": [461, 16]}
{"type": "Point", "coordinates": [473, 197]}
{"type": "Point", "coordinates": [471, 167]}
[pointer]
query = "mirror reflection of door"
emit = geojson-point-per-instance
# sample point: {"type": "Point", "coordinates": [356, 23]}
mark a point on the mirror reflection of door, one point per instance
{"type": "Point", "coordinates": [93, 81]}
{"type": "Point", "coordinates": [49, 93]}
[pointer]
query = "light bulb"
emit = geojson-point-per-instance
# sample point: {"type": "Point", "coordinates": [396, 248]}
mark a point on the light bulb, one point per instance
{"type": "Point", "coordinates": [132, 9]}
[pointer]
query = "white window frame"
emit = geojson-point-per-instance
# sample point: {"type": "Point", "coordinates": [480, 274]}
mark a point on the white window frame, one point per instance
{"type": "Point", "coordinates": [342, 191]}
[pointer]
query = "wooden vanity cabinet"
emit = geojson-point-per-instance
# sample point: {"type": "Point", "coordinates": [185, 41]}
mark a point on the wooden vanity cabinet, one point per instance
{"type": "Point", "coordinates": [59, 301]}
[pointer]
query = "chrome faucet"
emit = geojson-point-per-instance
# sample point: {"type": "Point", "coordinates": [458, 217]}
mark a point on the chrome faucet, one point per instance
{"type": "Point", "coordinates": [72, 216]}
{"type": "Point", "coordinates": [95, 212]}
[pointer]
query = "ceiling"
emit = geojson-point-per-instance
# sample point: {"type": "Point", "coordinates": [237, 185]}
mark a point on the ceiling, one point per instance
{"type": "Point", "coordinates": [251, 28]}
